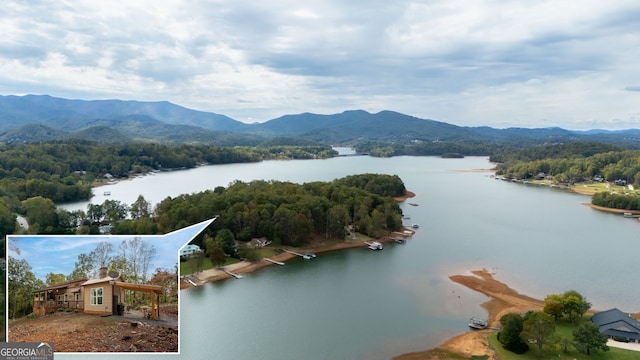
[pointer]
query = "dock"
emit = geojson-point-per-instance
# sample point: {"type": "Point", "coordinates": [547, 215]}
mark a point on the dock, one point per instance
{"type": "Point", "coordinates": [237, 276]}
{"type": "Point", "coordinates": [306, 256]}
{"type": "Point", "coordinates": [187, 279]}
{"type": "Point", "coordinates": [374, 245]}
{"type": "Point", "coordinates": [274, 262]}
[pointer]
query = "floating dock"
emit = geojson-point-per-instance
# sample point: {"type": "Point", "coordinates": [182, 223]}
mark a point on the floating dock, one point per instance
{"type": "Point", "coordinates": [306, 256]}
{"type": "Point", "coordinates": [275, 262]}
{"type": "Point", "coordinates": [186, 278]}
{"type": "Point", "coordinates": [374, 245]}
{"type": "Point", "coordinates": [237, 276]}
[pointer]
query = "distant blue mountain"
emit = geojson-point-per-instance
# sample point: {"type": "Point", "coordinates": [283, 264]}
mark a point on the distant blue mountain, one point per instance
{"type": "Point", "coordinates": [123, 121]}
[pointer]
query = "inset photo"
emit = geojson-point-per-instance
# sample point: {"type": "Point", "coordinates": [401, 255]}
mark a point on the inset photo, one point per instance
{"type": "Point", "coordinates": [96, 293]}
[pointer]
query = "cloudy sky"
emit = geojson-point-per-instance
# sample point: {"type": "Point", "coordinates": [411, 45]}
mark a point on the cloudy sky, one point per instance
{"type": "Point", "coordinates": [529, 63]}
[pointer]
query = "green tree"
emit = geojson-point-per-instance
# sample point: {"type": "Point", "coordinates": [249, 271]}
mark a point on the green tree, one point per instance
{"type": "Point", "coordinates": [7, 220]}
{"type": "Point", "coordinates": [226, 241]}
{"type": "Point", "coordinates": [22, 284]}
{"type": "Point", "coordinates": [553, 305]}
{"type": "Point", "coordinates": [53, 279]}
{"type": "Point", "coordinates": [509, 335]}
{"type": "Point", "coordinates": [575, 305]}
{"type": "Point", "coordinates": [140, 209]}
{"type": "Point", "coordinates": [41, 214]}
{"type": "Point", "coordinates": [538, 326]}
{"type": "Point", "coordinates": [84, 268]}
{"type": "Point", "coordinates": [587, 337]}
{"type": "Point", "coordinates": [217, 257]}
{"type": "Point", "coordinates": [248, 253]}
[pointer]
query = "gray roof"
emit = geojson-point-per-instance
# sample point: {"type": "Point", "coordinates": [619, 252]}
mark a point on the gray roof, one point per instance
{"type": "Point", "coordinates": [614, 322]}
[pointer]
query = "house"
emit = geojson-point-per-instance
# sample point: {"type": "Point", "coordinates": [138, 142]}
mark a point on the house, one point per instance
{"type": "Point", "coordinates": [67, 295]}
{"type": "Point", "coordinates": [189, 250]}
{"type": "Point", "coordinates": [615, 323]}
{"type": "Point", "coordinates": [101, 296]}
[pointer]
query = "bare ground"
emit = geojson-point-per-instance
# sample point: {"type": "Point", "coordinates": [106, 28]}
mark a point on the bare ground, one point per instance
{"type": "Point", "coordinates": [93, 333]}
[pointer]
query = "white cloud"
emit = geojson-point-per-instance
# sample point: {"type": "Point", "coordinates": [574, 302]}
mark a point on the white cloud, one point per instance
{"type": "Point", "coordinates": [491, 62]}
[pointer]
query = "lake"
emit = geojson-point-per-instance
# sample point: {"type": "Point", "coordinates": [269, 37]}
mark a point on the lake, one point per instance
{"type": "Point", "coordinates": [373, 305]}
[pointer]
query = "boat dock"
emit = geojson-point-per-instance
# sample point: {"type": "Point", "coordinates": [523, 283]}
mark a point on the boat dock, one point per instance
{"type": "Point", "coordinates": [274, 262]}
{"type": "Point", "coordinates": [374, 245]}
{"type": "Point", "coordinates": [187, 279]}
{"type": "Point", "coordinates": [306, 256]}
{"type": "Point", "coordinates": [237, 276]}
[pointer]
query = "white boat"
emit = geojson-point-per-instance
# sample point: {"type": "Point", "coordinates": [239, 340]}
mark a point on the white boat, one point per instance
{"type": "Point", "coordinates": [375, 245]}
{"type": "Point", "coordinates": [107, 193]}
{"type": "Point", "coordinates": [478, 324]}
{"type": "Point", "coordinates": [415, 226]}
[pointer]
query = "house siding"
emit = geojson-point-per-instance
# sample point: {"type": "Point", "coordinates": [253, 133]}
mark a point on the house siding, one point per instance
{"type": "Point", "coordinates": [107, 295]}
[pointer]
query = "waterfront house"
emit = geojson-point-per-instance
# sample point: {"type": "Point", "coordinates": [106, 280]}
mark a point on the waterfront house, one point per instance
{"type": "Point", "coordinates": [189, 250]}
{"type": "Point", "coordinates": [617, 324]}
{"type": "Point", "coordinates": [101, 296]}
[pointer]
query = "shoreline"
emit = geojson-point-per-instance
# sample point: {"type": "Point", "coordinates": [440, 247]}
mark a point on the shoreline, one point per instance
{"type": "Point", "coordinates": [503, 300]}
{"type": "Point", "coordinates": [245, 267]}
{"type": "Point", "coordinates": [611, 210]}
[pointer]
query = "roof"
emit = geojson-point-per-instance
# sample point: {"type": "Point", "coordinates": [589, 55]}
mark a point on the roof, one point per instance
{"type": "Point", "coordinates": [155, 289]}
{"type": "Point", "coordinates": [101, 280]}
{"type": "Point", "coordinates": [63, 285]}
{"type": "Point", "coordinates": [189, 248]}
{"type": "Point", "coordinates": [614, 322]}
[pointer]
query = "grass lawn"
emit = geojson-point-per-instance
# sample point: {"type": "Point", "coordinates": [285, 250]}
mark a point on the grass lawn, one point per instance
{"type": "Point", "coordinates": [188, 267]}
{"type": "Point", "coordinates": [564, 329]}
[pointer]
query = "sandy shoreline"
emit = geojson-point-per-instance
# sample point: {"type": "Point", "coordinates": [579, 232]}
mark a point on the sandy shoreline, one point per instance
{"type": "Point", "coordinates": [504, 300]}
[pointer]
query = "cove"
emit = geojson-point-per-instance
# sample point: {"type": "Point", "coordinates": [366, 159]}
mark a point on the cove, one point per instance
{"type": "Point", "coordinates": [372, 305]}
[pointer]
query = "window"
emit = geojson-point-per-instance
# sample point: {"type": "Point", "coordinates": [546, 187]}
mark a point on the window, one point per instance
{"type": "Point", "coordinates": [96, 296]}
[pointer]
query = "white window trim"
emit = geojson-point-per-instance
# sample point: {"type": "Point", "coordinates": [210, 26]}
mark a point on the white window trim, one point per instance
{"type": "Point", "coordinates": [95, 296]}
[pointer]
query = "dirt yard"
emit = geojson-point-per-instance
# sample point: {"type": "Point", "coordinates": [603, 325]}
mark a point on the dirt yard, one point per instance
{"type": "Point", "coordinates": [93, 333]}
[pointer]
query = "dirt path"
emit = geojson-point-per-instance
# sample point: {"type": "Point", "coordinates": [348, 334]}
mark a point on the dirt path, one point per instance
{"type": "Point", "coordinates": [93, 333]}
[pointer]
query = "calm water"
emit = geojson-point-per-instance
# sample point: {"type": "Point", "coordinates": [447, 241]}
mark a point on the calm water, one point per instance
{"type": "Point", "coordinates": [373, 305]}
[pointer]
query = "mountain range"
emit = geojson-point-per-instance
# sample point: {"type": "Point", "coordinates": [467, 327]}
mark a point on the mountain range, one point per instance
{"type": "Point", "coordinates": [32, 118]}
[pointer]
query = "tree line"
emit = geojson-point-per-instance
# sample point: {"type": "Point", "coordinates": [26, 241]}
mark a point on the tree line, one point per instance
{"type": "Point", "coordinates": [287, 213]}
{"type": "Point", "coordinates": [518, 331]}
{"type": "Point", "coordinates": [65, 171]}
{"type": "Point", "coordinates": [568, 165]}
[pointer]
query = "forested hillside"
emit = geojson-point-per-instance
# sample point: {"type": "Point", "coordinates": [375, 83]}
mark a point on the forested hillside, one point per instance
{"type": "Point", "coordinates": [35, 176]}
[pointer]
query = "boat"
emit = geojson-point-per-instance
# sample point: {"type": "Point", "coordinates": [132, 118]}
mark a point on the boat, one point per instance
{"type": "Point", "coordinates": [308, 256]}
{"type": "Point", "coordinates": [415, 226]}
{"type": "Point", "coordinates": [107, 193]}
{"type": "Point", "coordinates": [477, 323]}
{"type": "Point", "coordinates": [400, 240]}
{"type": "Point", "coordinates": [375, 245]}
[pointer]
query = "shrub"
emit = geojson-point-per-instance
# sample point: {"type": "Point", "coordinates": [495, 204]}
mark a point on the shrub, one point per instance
{"type": "Point", "coordinates": [51, 312]}
{"type": "Point", "coordinates": [60, 309]}
{"type": "Point", "coordinates": [67, 310]}
{"type": "Point", "coordinates": [32, 316]}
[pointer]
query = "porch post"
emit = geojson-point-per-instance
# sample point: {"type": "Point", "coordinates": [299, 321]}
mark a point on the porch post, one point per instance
{"type": "Point", "coordinates": [153, 307]}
